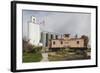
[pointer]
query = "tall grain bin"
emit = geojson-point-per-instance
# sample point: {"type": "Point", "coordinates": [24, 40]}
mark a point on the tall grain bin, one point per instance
{"type": "Point", "coordinates": [34, 32]}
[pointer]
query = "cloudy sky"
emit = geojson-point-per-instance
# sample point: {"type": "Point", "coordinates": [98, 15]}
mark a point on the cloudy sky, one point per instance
{"type": "Point", "coordinates": [59, 22]}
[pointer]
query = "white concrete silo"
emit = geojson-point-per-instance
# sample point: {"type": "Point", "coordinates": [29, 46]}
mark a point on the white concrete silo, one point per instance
{"type": "Point", "coordinates": [34, 32]}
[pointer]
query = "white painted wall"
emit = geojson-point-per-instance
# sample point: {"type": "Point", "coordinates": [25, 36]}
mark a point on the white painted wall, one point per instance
{"type": "Point", "coordinates": [5, 36]}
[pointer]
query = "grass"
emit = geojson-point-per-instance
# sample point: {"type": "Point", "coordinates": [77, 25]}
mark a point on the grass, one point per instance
{"type": "Point", "coordinates": [32, 57]}
{"type": "Point", "coordinates": [55, 57]}
{"type": "Point", "coordinates": [66, 55]}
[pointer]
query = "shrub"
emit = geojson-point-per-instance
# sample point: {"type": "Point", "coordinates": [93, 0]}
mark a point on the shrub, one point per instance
{"type": "Point", "coordinates": [37, 48]}
{"type": "Point", "coordinates": [29, 48]}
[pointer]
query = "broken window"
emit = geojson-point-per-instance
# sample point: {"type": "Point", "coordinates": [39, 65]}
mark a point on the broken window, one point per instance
{"type": "Point", "coordinates": [61, 42]}
{"type": "Point", "coordinates": [77, 42]}
{"type": "Point", "coordinates": [53, 42]}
